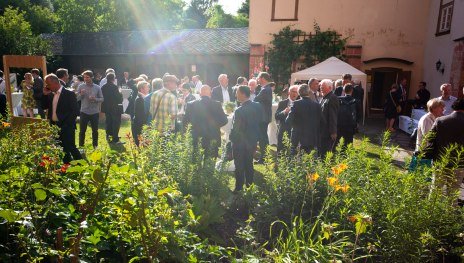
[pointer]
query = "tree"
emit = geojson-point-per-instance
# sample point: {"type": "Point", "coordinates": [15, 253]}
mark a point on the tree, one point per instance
{"type": "Point", "coordinates": [196, 14]}
{"type": "Point", "coordinates": [17, 37]}
{"type": "Point", "coordinates": [219, 19]}
{"type": "Point", "coordinates": [244, 9]}
{"type": "Point", "coordinates": [282, 53]}
{"type": "Point", "coordinates": [39, 14]}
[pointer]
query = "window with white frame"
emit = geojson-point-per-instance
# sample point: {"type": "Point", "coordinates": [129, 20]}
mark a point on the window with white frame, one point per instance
{"type": "Point", "coordinates": [444, 18]}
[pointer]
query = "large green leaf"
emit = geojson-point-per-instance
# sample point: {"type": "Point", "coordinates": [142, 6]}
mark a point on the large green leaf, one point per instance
{"type": "Point", "coordinates": [40, 194]}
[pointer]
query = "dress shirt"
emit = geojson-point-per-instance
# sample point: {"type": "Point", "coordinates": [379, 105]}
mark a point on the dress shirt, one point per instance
{"type": "Point", "coordinates": [425, 124]}
{"type": "Point", "coordinates": [88, 106]}
{"type": "Point", "coordinates": [448, 103]}
{"type": "Point", "coordinates": [56, 97]}
{"type": "Point", "coordinates": [225, 94]}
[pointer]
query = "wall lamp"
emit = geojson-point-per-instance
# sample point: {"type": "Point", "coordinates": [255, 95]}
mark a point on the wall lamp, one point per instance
{"type": "Point", "coordinates": [440, 66]}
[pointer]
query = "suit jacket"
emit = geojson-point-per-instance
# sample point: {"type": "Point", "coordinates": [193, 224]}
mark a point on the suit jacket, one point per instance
{"type": "Point", "coordinates": [280, 117]}
{"type": "Point", "coordinates": [38, 88]}
{"type": "Point", "coordinates": [246, 124]}
{"type": "Point", "coordinates": [304, 119]}
{"type": "Point", "coordinates": [329, 106]}
{"type": "Point", "coordinates": [264, 98]}
{"type": "Point", "coordinates": [448, 130]}
{"type": "Point", "coordinates": [66, 108]}
{"type": "Point", "coordinates": [399, 93]}
{"type": "Point", "coordinates": [216, 94]}
{"type": "Point", "coordinates": [139, 118]}
{"type": "Point", "coordinates": [2, 105]}
{"type": "Point", "coordinates": [338, 91]}
{"type": "Point", "coordinates": [112, 102]}
{"type": "Point", "coordinates": [206, 117]}
{"type": "Point", "coordinates": [314, 97]}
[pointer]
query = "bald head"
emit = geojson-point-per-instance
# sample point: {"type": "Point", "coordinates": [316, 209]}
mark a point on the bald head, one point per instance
{"type": "Point", "coordinates": [252, 83]}
{"type": "Point", "coordinates": [205, 91]}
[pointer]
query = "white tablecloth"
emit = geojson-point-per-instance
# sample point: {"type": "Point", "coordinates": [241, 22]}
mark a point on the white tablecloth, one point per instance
{"type": "Point", "coordinates": [125, 95]}
{"type": "Point", "coordinates": [417, 113]}
{"type": "Point", "coordinates": [271, 129]}
{"type": "Point", "coordinates": [407, 124]}
{"type": "Point", "coordinates": [16, 102]}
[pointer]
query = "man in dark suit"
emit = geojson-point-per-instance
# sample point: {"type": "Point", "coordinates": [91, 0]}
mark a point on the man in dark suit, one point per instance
{"type": "Point", "coordinates": [206, 117]}
{"type": "Point", "coordinates": [38, 91]}
{"type": "Point", "coordinates": [347, 115]}
{"type": "Point", "coordinates": [448, 130]}
{"type": "Point", "coordinates": [63, 75]}
{"type": "Point", "coordinates": [329, 106]}
{"type": "Point", "coordinates": [304, 119]}
{"type": "Point", "coordinates": [3, 111]}
{"type": "Point", "coordinates": [139, 118]}
{"type": "Point", "coordinates": [112, 107]}
{"type": "Point", "coordinates": [244, 137]}
{"type": "Point", "coordinates": [264, 98]}
{"type": "Point", "coordinates": [62, 111]}
{"type": "Point", "coordinates": [223, 93]}
{"type": "Point", "coordinates": [281, 115]}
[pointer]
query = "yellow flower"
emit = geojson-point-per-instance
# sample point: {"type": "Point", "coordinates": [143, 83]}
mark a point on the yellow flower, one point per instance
{"type": "Point", "coordinates": [312, 177]}
{"type": "Point", "coordinates": [332, 181]}
{"type": "Point", "coordinates": [343, 188]}
{"type": "Point", "coordinates": [335, 170]}
{"type": "Point", "coordinates": [339, 168]}
{"type": "Point", "coordinates": [6, 124]}
{"type": "Point", "coordinates": [342, 167]}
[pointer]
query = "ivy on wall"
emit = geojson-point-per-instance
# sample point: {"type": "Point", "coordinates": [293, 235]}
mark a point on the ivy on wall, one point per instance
{"type": "Point", "coordinates": [316, 47]}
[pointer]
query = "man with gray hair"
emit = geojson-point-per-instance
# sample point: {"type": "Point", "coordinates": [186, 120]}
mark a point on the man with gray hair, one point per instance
{"type": "Point", "coordinates": [223, 93]}
{"type": "Point", "coordinates": [447, 98]}
{"type": "Point", "coordinates": [252, 83]}
{"type": "Point", "coordinates": [281, 115]}
{"type": "Point", "coordinates": [104, 80]}
{"type": "Point", "coordinates": [329, 107]}
{"type": "Point", "coordinates": [304, 119]}
{"type": "Point", "coordinates": [313, 85]}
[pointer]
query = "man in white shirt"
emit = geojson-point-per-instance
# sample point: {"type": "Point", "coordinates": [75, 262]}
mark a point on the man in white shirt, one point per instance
{"type": "Point", "coordinates": [447, 98]}
{"type": "Point", "coordinates": [435, 109]}
{"type": "Point", "coordinates": [197, 83]}
{"type": "Point", "coordinates": [223, 93]}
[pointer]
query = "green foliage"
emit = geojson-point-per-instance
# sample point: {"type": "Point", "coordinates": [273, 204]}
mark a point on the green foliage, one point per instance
{"type": "Point", "coordinates": [244, 9]}
{"type": "Point", "coordinates": [284, 50]}
{"type": "Point", "coordinates": [164, 202]}
{"type": "Point", "coordinates": [17, 37]}
{"type": "Point", "coordinates": [322, 45]}
{"type": "Point", "coordinates": [219, 19]}
{"type": "Point", "coordinates": [282, 53]}
{"type": "Point", "coordinates": [196, 15]}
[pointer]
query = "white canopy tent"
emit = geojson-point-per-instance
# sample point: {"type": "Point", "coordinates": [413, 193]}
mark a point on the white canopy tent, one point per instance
{"type": "Point", "coordinates": [333, 68]}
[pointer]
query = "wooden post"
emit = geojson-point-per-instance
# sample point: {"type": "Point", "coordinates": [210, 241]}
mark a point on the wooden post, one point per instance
{"type": "Point", "coordinates": [59, 243]}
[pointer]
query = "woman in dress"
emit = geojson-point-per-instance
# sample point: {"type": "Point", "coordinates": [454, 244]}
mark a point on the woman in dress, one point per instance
{"type": "Point", "coordinates": [28, 102]}
{"type": "Point", "coordinates": [390, 108]}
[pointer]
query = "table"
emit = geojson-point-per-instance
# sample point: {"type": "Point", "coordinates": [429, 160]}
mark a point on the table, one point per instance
{"type": "Point", "coordinates": [416, 114]}
{"type": "Point", "coordinates": [125, 98]}
{"type": "Point", "coordinates": [16, 102]}
{"type": "Point", "coordinates": [407, 124]}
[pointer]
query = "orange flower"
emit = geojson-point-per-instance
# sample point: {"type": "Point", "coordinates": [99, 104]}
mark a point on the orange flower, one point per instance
{"type": "Point", "coordinates": [64, 167]}
{"type": "Point", "coordinates": [332, 181]}
{"type": "Point", "coordinates": [342, 167]}
{"type": "Point", "coordinates": [6, 124]}
{"type": "Point", "coordinates": [312, 177]}
{"type": "Point", "coordinates": [339, 168]}
{"type": "Point", "coordinates": [343, 188]}
{"type": "Point", "coordinates": [352, 219]}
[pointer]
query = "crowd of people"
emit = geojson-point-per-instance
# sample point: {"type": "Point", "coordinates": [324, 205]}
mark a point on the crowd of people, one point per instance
{"type": "Point", "coordinates": [315, 115]}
